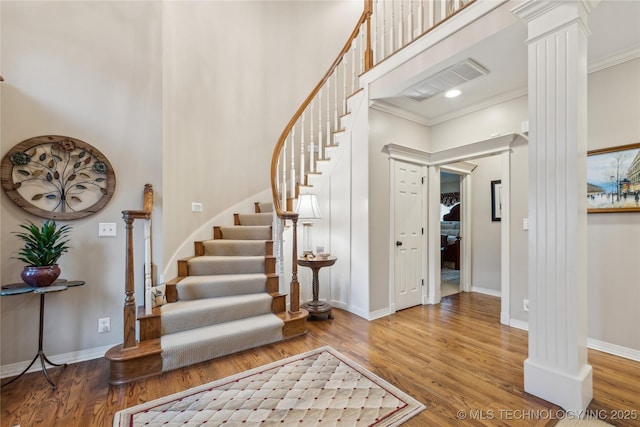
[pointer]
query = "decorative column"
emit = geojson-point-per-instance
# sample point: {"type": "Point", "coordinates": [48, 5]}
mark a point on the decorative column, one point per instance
{"type": "Point", "coordinates": [556, 369]}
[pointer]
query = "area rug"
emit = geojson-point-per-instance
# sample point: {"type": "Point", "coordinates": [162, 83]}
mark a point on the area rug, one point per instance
{"type": "Point", "coordinates": [320, 387]}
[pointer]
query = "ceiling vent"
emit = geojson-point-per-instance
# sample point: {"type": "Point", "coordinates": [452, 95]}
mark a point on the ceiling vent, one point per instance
{"type": "Point", "coordinates": [446, 79]}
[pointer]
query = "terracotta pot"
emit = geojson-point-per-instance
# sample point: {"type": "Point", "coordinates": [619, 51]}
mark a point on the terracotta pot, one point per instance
{"type": "Point", "coordinates": [40, 276]}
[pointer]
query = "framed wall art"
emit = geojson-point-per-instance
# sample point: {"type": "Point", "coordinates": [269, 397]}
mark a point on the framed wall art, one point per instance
{"type": "Point", "coordinates": [57, 177]}
{"type": "Point", "coordinates": [496, 200]}
{"type": "Point", "coordinates": [613, 179]}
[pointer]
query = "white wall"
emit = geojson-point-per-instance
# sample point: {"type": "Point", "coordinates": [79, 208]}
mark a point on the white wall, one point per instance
{"type": "Point", "coordinates": [503, 119]}
{"type": "Point", "coordinates": [485, 243]}
{"type": "Point", "coordinates": [90, 70]}
{"type": "Point", "coordinates": [188, 96]}
{"type": "Point", "coordinates": [234, 74]}
{"type": "Point", "coordinates": [385, 129]}
{"type": "Point", "coordinates": [614, 238]}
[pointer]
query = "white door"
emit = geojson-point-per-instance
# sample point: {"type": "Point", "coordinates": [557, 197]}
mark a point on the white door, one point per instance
{"type": "Point", "coordinates": [408, 234]}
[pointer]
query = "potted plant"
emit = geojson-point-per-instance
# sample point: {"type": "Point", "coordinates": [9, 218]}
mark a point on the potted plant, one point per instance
{"type": "Point", "coordinates": [43, 246]}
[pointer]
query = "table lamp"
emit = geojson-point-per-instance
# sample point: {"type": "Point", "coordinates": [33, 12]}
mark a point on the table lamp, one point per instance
{"type": "Point", "coordinates": [307, 209]}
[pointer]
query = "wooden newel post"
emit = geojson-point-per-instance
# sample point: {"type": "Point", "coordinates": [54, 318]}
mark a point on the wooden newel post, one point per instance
{"type": "Point", "coordinates": [294, 291]}
{"type": "Point", "coordinates": [368, 52]}
{"type": "Point", "coordinates": [130, 299]}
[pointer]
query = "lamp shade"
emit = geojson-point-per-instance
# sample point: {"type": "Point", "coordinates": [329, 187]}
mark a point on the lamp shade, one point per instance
{"type": "Point", "coordinates": [307, 207]}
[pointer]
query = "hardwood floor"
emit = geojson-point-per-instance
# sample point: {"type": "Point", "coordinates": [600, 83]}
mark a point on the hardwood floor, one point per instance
{"type": "Point", "coordinates": [453, 357]}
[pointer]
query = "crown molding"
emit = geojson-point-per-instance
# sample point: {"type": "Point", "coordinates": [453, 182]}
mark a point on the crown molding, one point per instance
{"type": "Point", "coordinates": [385, 107]}
{"type": "Point", "coordinates": [499, 99]}
{"type": "Point", "coordinates": [614, 59]}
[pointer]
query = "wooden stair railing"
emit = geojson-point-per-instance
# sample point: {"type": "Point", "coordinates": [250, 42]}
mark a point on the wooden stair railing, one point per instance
{"type": "Point", "coordinates": [384, 27]}
{"type": "Point", "coordinates": [133, 360]}
{"type": "Point", "coordinates": [130, 308]}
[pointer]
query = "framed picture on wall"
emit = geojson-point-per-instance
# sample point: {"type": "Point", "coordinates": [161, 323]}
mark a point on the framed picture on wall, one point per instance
{"type": "Point", "coordinates": [496, 200]}
{"type": "Point", "coordinates": [613, 179]}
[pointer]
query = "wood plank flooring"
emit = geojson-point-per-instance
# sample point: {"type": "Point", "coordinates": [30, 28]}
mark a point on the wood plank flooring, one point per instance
{"type": "Point", "coordinates": [453, 357]}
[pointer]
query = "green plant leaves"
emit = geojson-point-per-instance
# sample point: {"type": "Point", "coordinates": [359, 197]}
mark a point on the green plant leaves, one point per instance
{"type": "Point", "coordinates": [43, 245]}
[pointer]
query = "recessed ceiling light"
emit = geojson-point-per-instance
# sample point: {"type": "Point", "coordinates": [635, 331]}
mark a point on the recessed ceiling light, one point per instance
{"type": "Point", "coordinates": [452, 93]}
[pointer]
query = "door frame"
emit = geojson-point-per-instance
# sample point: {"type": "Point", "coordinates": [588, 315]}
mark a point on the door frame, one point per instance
{"type": "Point", "coordinates": [414, 157]}
{"type": "Point", "coordinates": [454, 158]}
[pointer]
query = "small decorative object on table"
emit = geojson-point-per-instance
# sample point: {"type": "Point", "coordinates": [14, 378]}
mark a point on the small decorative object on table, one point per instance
{"type": "Point", "coordinates": [42, 249]}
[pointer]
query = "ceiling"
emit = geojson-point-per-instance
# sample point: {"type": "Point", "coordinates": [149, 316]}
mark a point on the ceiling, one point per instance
{"type": "Point", "coordinates": [615, 30]}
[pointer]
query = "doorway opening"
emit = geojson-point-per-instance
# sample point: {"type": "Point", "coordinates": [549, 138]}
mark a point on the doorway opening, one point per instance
{"type": "Point", "coordinates": [450, 237]}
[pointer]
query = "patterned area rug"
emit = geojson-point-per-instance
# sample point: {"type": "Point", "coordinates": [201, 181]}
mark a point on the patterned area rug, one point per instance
{"type": "Point", "coordinates": [320, 387]}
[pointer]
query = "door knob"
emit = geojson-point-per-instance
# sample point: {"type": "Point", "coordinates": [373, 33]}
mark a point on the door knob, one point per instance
{"type": "Point", "coordinates": [398, 243]}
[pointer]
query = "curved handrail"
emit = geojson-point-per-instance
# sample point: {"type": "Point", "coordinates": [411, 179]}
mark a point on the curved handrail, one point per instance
{"type": "Point", "coordinates": [285, 133]}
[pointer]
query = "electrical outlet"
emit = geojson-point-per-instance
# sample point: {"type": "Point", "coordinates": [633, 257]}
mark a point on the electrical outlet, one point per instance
{"type": "Point", "coordinates": [196, 207]}
{"type": "Point", "coordinates": [525, 223]}
{"type": "Point", "coordinates": [104, 325]}
{"type": "Point", "coordinates": [107, 229]}
{"type": "Point", "coordinates": [525, 304]}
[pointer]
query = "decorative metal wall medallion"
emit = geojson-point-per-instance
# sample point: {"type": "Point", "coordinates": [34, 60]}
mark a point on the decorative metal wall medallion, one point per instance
{"type": "Point", "coordinates": [57, 177]}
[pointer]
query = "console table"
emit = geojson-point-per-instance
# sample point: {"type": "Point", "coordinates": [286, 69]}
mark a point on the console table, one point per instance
{"type": "Point", "coordinates": [22, 288]}
{"type": "Point", "coordinates": [316, 307]}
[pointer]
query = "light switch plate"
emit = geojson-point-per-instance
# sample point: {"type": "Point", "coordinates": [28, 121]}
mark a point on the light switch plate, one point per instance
{"type": "Point", "coordinates": [107, 229]}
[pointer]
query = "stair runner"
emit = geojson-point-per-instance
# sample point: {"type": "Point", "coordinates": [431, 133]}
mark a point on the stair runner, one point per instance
{"type": "Point", "coordinates": [225, 302]}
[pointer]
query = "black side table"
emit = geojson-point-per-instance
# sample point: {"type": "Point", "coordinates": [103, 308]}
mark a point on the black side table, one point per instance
{"type": "Point", "coordinates": [22, 288]}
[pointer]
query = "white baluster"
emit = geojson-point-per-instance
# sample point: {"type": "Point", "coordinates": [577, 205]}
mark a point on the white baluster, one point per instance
{"type": "Point", "coordinates": [328, 112]}
{"type": "Point", "coordinates": [344, 84]}
{"type": "Point", "coordinates": [410, 22]}
{"type": "Point", "coordinates": [431, 13]}
{"type": "Point", "coordinates": [312, 167]}
{"type": "Point", "coordinates": [392, 30]}
{"type": "Point", "coordinates": [353, 67]}
{"type": "Point", "coordinates": [383, 50]}
{"type": "Point", "coordinates": [147, 267]}
{"type": "Point", "coordinates": [363, 47]}
{"type": "Point", "coordinates": [302, 164]}
{"type": "Point", "coordinates": [420, 23]}
{"type": "Point", "coordinates": [320, 150]}
{"type": "Point", "coordinates": [283, 188]}
{"type": "Point", "coordinates": [335, 100]}
{"type": "Point", "coordinates": [292, 185]}
{"type": "Point", "coordinates": [374, 32]}
{"type": "Point", "coordinates": [443, 11]}
{"type": "Point", "coordinates": [401, 25]}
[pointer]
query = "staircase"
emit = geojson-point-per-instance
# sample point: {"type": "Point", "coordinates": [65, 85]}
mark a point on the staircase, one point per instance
{"type": "Point", "coordinates": [224, 300]}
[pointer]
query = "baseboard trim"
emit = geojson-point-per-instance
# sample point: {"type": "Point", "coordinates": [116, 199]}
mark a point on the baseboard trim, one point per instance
{"type": "Point", "coordinates": [379, 314]}
{"type": "Point", "coordinates": [486, 291]}
{"type": "Point", "coordinates": [519, 324]}
{"type": "Point", "coordinates": [14, 369]}
{"type": "Point", "coordinates": [605, 347]}
{"type": "Point", "coordinates": [614, 349]}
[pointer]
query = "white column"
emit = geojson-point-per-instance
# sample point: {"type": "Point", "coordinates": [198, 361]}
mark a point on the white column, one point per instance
{"type": "Point", "coordinates": [556, 369]}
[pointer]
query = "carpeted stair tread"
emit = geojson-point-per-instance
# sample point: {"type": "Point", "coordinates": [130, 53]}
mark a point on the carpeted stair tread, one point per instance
{"type": "Point", "coordinates": [210, 265]}
{"type": "Point", "coordinates": [195, 287]}
{"type": "Point", "coordinates": [265, 218]}
{"type": "Point", "coordinates": [246, 232]}
{"type": "Point", "coordinates": [266, 206]}
{"type": "Point", "coordinates": [197, 345]}
{"type": "Point", "coordinates": [226, 247]}
{"type": "Point", "coordinates": [184, 315]}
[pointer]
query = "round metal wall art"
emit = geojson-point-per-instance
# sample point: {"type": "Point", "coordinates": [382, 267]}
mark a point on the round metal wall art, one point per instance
{"type": "Point", "coordinates": [57, 177]}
